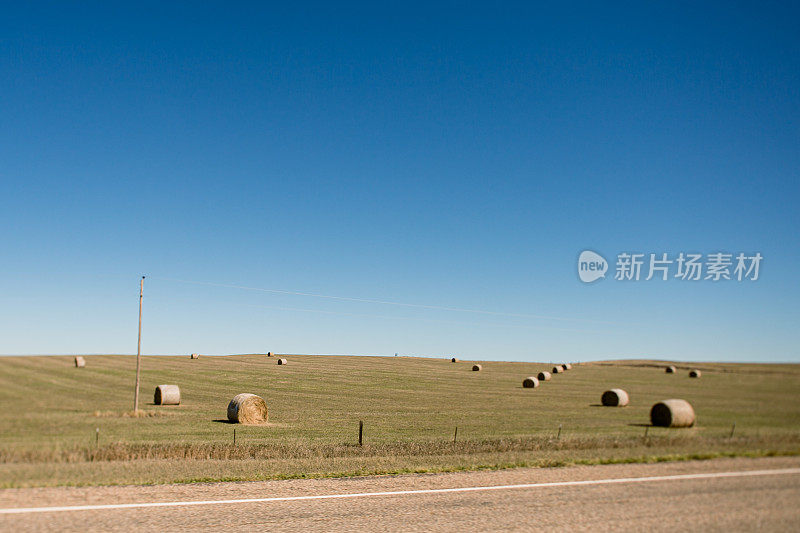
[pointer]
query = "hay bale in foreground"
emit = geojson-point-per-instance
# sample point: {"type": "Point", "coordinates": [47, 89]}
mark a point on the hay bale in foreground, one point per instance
{"type": "Point", "coordinates": [672, 414]}
{"type": "Point", "coordinates": [194, 356]}
{"type": "Point", "coordinates": [670, 369]}
{"type": "Point", "coordinates": [530, 382]}
{"type": "Point", "coordinates": [476, 368]}
{"type": "Point", "coordinates": [615, 398]}
{"type": "Point", "coordinates": [246, 408]}
{"type": "Point", "coordinates": [282, 361]}
{"type": "Point", "coordinates": [544, 376]}
{"type": "Point", "coordinates": [454, 360]}
{"type": "Point", "coordinates": [167, 395]}
{"type": "Point", "coordinates": [695, 373]}
{"type": "Point", "coordinates": [566, 366]}
{"type": "Point", "coordinates": [558, 369]}
{"type": "Point", "coordinates": [80, 362]}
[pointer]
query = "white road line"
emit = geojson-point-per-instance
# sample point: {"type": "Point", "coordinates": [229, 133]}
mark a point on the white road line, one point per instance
{"type": "Point", "coordinates": [709, 475]}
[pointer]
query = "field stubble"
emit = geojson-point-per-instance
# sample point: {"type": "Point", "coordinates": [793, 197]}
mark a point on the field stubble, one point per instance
{"type": "Point", "coordinates": [410, 408]}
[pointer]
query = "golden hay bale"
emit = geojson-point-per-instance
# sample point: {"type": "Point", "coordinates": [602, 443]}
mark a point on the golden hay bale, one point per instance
{"type": "Point", "coordinates": [557, 369]}
{"type": "Point", "coordinates": [544, 376]}
{"type": "Point", "coordinates": [695, 373]}
{"type": "Point", "coordinates": [269, 354]}
{"type": "Point", "coordinates": [566, 366]}
{"type": "Point", "coordinates": [246, 408]}
{"type": "Point", "coordinates": [167, 395]}
{"type": "Point", "coordinates": [80, 362]}
{"type": "Point", "coordinates": [672, 414]}
{"type": "Point", "coordinates": [670, 369]}
{"type": "Point", "coordinates": [282, 361]}
{"type": "Point", "coordinates": [476, 368]}
{"type": "Point", "coordinates": [615, 398]}
{"type": "Point", "coordinates": [454, 360]}
{"type": "Point", "coordinates": [530, 382]}
{"type": "Point", "coordinates": [194, 356]}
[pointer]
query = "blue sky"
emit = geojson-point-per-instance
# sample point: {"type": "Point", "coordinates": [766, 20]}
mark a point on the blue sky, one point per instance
{"type": "Point", "coordinates": [446, 156]}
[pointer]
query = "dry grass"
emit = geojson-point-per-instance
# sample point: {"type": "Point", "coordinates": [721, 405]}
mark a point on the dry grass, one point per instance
{"type": "Point", "coordinates": [409, 405]}
{"type": "Point", "coordinates": [121, 451]}
{"type": "Point", "coordinates": [143, 464]}
{"type": "Point", "coordinates": [131, 414]}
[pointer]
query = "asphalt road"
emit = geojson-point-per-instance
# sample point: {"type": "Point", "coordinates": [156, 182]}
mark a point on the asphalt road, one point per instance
{"type": "Point", "coordinates": [719, 495]}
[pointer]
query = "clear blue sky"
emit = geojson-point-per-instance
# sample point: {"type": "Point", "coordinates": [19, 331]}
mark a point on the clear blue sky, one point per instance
{"type": "Point", "coordinates": [452, 156]}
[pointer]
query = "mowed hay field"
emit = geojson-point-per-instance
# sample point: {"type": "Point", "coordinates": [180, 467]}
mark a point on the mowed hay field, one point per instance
{"type": "Point", "coordinates": [410, 407]}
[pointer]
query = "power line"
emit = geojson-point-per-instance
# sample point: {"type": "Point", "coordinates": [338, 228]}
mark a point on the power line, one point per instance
{"type": "Point", "coordinates": [415, 318]}
{"type": "Point", "coordinates": [387, 302]}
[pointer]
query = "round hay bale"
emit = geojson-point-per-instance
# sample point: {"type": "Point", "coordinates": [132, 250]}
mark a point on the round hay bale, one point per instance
{"type": "Point", "coordinates": [530, 382]}
{"type": "Point", "coordinates": [282, 361]}
{"type": "Point", "coordinates": [167, 395]}
{"type": "Point", "coordinates": [194, 356]}
{"type": "Point", "coordinates": [557, 369]}
{"type": "Point", "coordinates": [80, 362]}
{"type": "Point", "coordinates": [695, 373]}
{"type": "Point", "coordinates": [454, 360]}
{"type": "Point", "coordinates": [476, 368]}
{"type": "Point", "coordinates": [248, 408]}
{"type": "Point", "coordinates": [544, 376]}
{"type": "Point", "coordinates": [615, 398]}
{"type": "Point", "coordinates": [672, 414]}
{"type": "Point", "coordinates": [269, 354]}
{"type": "Point", "coordinates": [566, 366]}
{"type": "Point", "coordinates": [670, 369]}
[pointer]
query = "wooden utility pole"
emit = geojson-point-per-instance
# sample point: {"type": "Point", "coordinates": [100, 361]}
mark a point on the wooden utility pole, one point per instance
{"type": "Point", "coordinates": [138, 348]}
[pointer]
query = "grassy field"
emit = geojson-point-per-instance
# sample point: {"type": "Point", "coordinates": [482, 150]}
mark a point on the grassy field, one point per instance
{"type": "Point", "coordinates": [410, 407]}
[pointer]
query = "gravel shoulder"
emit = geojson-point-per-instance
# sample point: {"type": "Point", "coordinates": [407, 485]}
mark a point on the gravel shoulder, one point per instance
{"type": "Point", "coordinates": [710, 503]}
